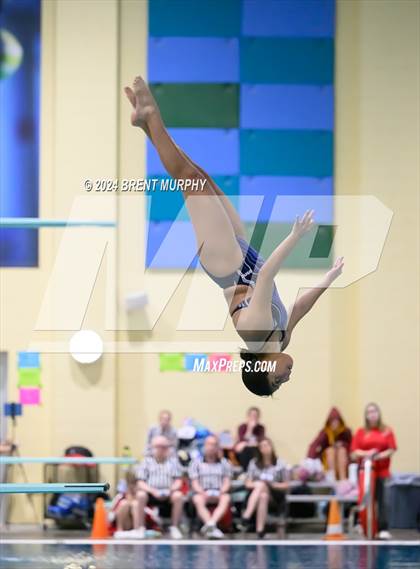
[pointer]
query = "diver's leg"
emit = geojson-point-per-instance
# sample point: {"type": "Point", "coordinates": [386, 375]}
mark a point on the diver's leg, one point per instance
{"type": "Point", "coordinates": [219, 249]}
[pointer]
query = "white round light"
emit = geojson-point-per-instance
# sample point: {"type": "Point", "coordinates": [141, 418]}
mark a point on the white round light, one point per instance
{"type": "Point", "coordinates": [86, 346]}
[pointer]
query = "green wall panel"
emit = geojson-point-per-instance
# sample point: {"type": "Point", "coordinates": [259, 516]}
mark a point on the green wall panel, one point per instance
{"type": "Point", "coordinates": [275, 233]}
{"type": "Point", "coordinates": [198, 105]}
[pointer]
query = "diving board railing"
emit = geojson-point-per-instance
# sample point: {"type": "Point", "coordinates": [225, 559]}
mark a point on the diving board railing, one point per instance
{"type": "Point", "coordinates": [53, 488]}
{"type": "Point", "coordinates": [37, 223]}
{"type": "Point", "coordinates": [49, 486]}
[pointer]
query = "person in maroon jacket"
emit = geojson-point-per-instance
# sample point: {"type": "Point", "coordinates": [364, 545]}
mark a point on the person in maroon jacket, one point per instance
{"type": "Point", "coordinates": [332, 446]}
{"type": "Point", "coordinates": [248, 437]}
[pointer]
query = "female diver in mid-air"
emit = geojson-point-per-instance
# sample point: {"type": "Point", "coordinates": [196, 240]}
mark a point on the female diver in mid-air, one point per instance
{"type": "Point", "coordinates": [247, 280]}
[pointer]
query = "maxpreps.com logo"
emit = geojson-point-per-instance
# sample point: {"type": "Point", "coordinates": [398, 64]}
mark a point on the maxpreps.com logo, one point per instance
{"type": "Point", "coordinates": [224, 365]}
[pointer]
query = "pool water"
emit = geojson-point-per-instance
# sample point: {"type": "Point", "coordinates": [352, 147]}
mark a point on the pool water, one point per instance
{"type": "Point", "coordinates": [220, 555]}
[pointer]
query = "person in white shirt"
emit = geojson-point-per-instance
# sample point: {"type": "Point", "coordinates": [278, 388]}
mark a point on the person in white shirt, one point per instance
{"type": "Point", "coordinates": [265, 481]}
{"type": "Point", "coordinates": [210, 480]}
{"type": "Point", "coordinates": [158, 484]}
{"type": "Point", "coordinates": [163, 428]}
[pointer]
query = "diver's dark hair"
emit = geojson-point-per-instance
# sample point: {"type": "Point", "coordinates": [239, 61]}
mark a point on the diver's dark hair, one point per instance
{"type": "Point", "coordinates": [255, 381]}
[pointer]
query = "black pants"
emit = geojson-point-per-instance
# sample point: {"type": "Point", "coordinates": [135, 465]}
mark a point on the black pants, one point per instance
{"type": "Point", "coordinates": [381, 503]}
{"type": "Point", "coordinates": [277, 504]}
{"type": "Point", "coordinates": [246, 455]}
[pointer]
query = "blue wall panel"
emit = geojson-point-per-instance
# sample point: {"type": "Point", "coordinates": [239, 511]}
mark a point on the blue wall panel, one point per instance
{"type": "Point", "coordinates": [195, 18]}
{"type": "Point", "coordinates": [288, 18]}
{"type": "Point", "coordinates": [285, 185]}
{"type": "Point", "coordinates": [215, 150]}
{"type": "Point", "coordinates": [193, 60]}
{"type": "Point", "coordinates": [171, 245]}
{"type": "Point", "coordinates": [167, 205]}
{"type": "Point", "coordinates": [281, 54]}
{"type": "Point", "coordinates": [19, 134]}
{"type": "Point", "coordinates": [287, 107]}
{"type": "Point", "coordinates": [228, 184]}
{"type": "Point", "coordinates": [283, 209]}
{"type": "Point", "coordinates": [287, 60]}
{"type": "Point", "coordinates": [287, 153]}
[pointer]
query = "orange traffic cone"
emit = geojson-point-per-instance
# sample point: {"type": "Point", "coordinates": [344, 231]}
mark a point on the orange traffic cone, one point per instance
{"type": "Point", "coordinates": [100, 521]}
{"type": "Point", "coordinates": [334, 525]}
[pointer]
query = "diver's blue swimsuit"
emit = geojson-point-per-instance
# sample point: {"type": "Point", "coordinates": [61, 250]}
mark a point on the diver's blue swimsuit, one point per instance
{"type": "Point", "coordinates": [247, 275]}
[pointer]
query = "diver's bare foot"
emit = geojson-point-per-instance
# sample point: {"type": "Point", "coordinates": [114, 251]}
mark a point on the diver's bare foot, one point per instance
{"type": "Point", "coordinates": [142, 102]}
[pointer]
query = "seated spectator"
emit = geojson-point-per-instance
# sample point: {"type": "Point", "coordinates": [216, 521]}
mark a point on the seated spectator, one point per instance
{"type": "Point", "coordinates": [159, 484]}
{"type": "Point", "coordinates": [266, 483]}
{"type": "Point", "coordinates": [248, 437]}
{"type": "Point", "coordinates": [210, 477]}
{"type": "Point", "coordinates": [163, 428]}
{"type": "Point", "coordinates": [125, 507]}
{"type": "Point", "coordinates": [332, 446]}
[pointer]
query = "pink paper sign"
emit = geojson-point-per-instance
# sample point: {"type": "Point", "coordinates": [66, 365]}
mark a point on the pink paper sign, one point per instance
{"type": "Point", "coordinates": [29, 396]}
{"type": "Point", "coordinates": [220, 360]}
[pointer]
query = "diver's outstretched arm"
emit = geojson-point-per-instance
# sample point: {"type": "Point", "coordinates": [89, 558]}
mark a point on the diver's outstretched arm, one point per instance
{"type": "Point", "coordinates": [259, 315]}
{"type": "Point", "coordinates": [275, 260]}
{"type": "Point", "coordinates": [306, 301]}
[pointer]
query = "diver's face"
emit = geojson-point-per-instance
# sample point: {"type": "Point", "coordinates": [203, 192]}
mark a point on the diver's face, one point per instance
{"type": "Point", "coordinates": [282, 372]}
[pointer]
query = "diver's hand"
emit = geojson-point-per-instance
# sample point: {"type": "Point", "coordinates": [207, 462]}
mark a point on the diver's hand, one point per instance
{"type": "Point", "coordinates": [336, 270]}
{"type": "Point", "coordinates": [302, 226]}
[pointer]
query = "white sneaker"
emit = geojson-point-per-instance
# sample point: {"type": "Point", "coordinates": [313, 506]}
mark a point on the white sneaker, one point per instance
{"type": "Point", "coordinates": [358, 530]}
{"type": "Point", "coordinates": [207, 528]}
{"type": "Point", "coordinates": [139, 533]}
{"type": "Point", "coordinates": [175, 533]}
{"type": "Point", "coordinates": [216, 533]}
{"type": "Point", "coordinates": [384, 534]}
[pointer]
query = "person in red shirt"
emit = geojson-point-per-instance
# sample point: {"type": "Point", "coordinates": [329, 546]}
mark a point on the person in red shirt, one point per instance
{"type": "Point", "coordinates": [376, 441]}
